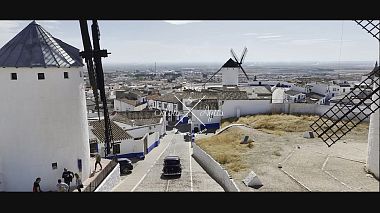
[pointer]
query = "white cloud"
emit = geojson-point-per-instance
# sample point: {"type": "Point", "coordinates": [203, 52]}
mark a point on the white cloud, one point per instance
{"type": "Point", "coordinates": [269, 36]}
{"type": "Point", "coordinates": [180, 22]}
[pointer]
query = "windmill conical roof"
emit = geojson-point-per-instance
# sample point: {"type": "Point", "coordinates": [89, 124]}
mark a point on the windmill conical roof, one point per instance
{"type": "Point", "coordinates": [231, 63]}
{"type": "Point", "coordinates": [35, 47]}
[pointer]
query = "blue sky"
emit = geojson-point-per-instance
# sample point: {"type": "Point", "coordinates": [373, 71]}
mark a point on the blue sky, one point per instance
{"type": "Point", "coordinates": [211, 41]}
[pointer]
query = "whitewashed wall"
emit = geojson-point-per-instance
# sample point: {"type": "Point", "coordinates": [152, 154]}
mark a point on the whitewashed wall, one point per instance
{"type": "Point", "coordinates": [206, 116]}
{"type": "Point", "coordinates": [140, 131]}
{"type": "Point", "coordinates": [120, 106]}
{"type": "Point", "coordinates": [230, 108]}
{"type": "Point", "coordinates": [230, 76]}
{"type": "Point", "coordinates": [214, 169]}
{"type": "Point", "coordinates": [373, 138]}
{"type": "Point", "coordinates": [42, 122]}
{"type": "Point", "coordinates": [110, 181]}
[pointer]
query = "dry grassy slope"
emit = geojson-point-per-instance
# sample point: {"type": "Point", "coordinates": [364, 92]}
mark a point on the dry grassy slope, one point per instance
{"type": "Point", "coordinates": [278, 124]}
{"type": "Point", "coordinates": [227, 150]}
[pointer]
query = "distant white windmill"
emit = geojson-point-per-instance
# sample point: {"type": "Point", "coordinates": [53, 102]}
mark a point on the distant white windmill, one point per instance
{"type": "Point", "coordinates": [230, 70]}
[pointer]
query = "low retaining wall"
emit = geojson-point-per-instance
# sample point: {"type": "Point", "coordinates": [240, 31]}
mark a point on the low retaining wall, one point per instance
{"type": "Point", "coordinates": [110, 181]}
{"type": "Point", "coordinates": [214, 169]}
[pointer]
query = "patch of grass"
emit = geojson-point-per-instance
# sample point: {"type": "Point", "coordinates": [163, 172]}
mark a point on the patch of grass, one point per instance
{"type": "Point", "coordinates": [226, 149]}
{"type": "Point", "coordinates": [280, 123]}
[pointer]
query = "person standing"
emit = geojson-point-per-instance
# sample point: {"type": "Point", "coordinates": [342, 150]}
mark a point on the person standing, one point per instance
{"type": "Point", "coordinates": [36, 185]}
{"type": "Point", "coordinates": [78, 182]}
{"type": "Point", "coordinates": [67, 176]}
{"type": "Point", "coordinates": [97, 161]}
{"type": "Point", "coordinates": [62, 187]}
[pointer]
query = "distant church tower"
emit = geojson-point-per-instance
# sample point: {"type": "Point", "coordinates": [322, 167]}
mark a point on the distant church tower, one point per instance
{"type": "Point", "coordinates": [230, 73]}
{"type": "Point", "coordinates": [43, 120]}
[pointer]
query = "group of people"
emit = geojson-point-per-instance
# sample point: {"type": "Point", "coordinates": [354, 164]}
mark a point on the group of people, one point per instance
{"type": "Point", "coordinates": [67, 179]}
{"type": "Point", "coordinates": [64, 186]}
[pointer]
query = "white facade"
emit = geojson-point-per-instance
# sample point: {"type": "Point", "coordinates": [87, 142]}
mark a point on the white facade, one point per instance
{"type": "Point", "coordinates": [134, 148]}
{"type": "Point", "coordinates": [297, 98]}
{"type": "Point", "coordinates": [140, 131]}
{"type": "Point", "coordinates": [278, 96]}
{"type": "Point", "coordinates": [42, 122]}
{"type": "Point", "coordinates": [121, 106]}
{"type": "Point", "coordinates": [230, 75]}
{"type": "Point", "coordinates": [373, 138]}
{"type": "Point", "coordinates": [237, 108]}
{"type": "Point", "coordinates": [206, 117]}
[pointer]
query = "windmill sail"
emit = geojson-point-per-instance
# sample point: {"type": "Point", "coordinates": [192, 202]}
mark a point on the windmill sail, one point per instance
{"type": "Point", "coordinates": [350, 111]}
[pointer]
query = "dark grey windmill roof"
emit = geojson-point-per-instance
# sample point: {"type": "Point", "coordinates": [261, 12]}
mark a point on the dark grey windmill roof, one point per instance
{"type": "Point", "coordinates": [35, 47]}
{"type": "Point", "coordinates": [231, 63]}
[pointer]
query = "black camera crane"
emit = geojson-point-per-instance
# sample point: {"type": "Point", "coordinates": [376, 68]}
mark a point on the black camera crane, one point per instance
{"type": "Point", "coordinates": [95, 73]}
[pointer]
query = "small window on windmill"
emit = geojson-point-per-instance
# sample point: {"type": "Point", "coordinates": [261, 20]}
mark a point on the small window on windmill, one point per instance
{"type": "Point", "coordinates": [80, 165]}
{"type": "Point", "coordinates": [54, 165]}
{"type": "Point", "coordinates": [65, 75]}
{"type": "Point", "coordinates": [13, 76]}
{"type": "Point", "coordinates": [41, 76]}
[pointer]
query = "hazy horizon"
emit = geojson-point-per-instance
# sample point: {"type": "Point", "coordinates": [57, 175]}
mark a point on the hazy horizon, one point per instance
{"type": "Point", "coordinates": [170, 41]}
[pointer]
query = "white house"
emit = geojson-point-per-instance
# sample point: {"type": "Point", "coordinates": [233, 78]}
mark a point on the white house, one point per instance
{"type": "Point", "coordinates": [137, 124]}
{"type": "Point", "coordinates": [292, 96]}
{"type": "Point", "coordinates": [167, 104]}
{"type": "Point", "coordinates": [43, 123]}
{"type": "Point", "coordinates": [122, 105]}
{"type": "Point", "coordinates": [123, 144]}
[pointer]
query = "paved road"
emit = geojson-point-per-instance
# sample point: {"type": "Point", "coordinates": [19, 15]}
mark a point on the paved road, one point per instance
{"type": "Point", "coordinates": [146, 175]}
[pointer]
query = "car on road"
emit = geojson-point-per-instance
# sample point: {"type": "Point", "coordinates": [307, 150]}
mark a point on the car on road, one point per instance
{"type": "Point", "coordinates": [172, 166]}
{"type": "Point", "coordinates": [187, 136]}
{"type": "Point", "coordinates": [125, 165]}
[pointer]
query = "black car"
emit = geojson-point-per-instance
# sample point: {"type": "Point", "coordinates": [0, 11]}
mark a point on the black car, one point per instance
{"type": "Point", "coordinates": [172, 166]}
{"type": "Point", "coordinates": [187, 137]}
{"type": "Point", "coordinates": [125, 165]}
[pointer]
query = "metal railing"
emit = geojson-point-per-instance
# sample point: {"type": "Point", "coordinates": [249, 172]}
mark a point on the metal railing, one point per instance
{"type": "Point", "coordinates": [100, 177]}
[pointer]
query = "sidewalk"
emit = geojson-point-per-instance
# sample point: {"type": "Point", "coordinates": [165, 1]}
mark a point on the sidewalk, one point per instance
{"type": "Point", "coordinates": [142, 167]}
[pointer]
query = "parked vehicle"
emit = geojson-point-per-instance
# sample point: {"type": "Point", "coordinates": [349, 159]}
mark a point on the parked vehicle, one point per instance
{"type": "Point", "coordinates": [187, 137]}
{"type": "Point", "coordinates": [125, 165]}
{"type": "Point", "coordinates": [172, 166]}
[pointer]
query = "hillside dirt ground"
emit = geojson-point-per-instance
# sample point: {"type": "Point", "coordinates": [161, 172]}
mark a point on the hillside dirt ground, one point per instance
{"type": "Point", "coordinates": [306, 164]}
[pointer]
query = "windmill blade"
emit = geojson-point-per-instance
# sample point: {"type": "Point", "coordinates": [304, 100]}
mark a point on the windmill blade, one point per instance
{"type": "Point", "coordinates": [212, 76]}
{"type": "Point", "coordinates": [244, 72]}
{"type": "Point", "coordinates": [243, 55]}
{"type": "Point", "coordinates": [234, 55]}
{"type": "Point", "coordinates": [350, 111]}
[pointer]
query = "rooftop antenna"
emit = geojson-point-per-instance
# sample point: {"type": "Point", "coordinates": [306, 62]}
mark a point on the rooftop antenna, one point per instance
{"type": "Point", "coordinates": [355, 106]}
{"type": "Point", "coordinates": [238, 62]}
